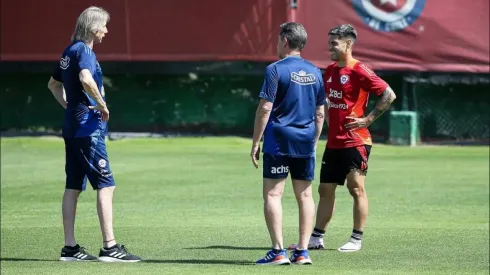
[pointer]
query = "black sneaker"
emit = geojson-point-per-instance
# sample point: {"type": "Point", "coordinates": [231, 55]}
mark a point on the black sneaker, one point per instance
{"type": "Point", "coordinates": [117, 253]}
{"type": "Point", "coordinates": [75, 254]}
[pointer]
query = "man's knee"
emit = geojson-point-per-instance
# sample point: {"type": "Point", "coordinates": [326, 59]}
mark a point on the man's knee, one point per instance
{"type": "Point", "coordinates": [302, 190]}
{"type": "Point", "coordinates": [326, 190]}
{"type": "Point", "coordinates": [273, 188]}
{"type": "Point", "coordinates": [273, 194]}
{"type": "Point", "coordinates": [357, 192]}
{"type": "Point", "coordinates": [355, 184]}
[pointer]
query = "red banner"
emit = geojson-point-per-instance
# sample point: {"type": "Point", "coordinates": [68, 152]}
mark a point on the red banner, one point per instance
{"type": "Point", "coordinates": [147, 30]}
{"type": "Point", "coordinates": [407, 35]}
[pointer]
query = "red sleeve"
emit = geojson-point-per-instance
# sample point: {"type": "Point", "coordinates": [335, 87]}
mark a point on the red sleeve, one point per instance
{"type": "Point", "coordinates": [370, 82]}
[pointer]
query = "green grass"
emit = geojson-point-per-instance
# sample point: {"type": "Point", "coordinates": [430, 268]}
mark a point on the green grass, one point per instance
{"type": "Point", "coordinates": [194, 206]}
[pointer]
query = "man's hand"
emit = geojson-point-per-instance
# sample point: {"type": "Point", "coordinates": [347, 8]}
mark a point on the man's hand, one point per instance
{"type": "Point", "coordinates": [255, 155]}
{"type": "Point", "coordinates": [103, 110]}
{"type": "Point", "coordinates": [357, 123]}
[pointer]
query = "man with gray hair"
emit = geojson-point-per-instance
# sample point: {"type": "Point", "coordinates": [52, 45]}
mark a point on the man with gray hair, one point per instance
{"type": "Point", "coordinates": [290, 116]}
{"type": "Point", "coordinates": [77, 84]}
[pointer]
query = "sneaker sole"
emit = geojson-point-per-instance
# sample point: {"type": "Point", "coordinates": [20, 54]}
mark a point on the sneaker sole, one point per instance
{"type": "Point", "coordinates": [114, 260]}
{"type": "Point", "coordinates": [348, 250]}
{"type": "Point", "coordinates": [73, 259]}
{"type": "Point", "coordinates": [302, 262]}
{"type": "Point", "coordinates": [282, 262]}
{"type": "Point", "coordinates": [318, 247]}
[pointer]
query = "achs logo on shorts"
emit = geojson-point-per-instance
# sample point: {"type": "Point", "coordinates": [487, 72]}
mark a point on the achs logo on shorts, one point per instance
{"type": "Point", "coordinates": [389, 15]}
{"type": "Point", "coordinates": [102, 163]}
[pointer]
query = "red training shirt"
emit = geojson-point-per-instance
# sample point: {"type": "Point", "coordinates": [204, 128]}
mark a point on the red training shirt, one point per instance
{"type": "Point", "coordinates": [347, 89]}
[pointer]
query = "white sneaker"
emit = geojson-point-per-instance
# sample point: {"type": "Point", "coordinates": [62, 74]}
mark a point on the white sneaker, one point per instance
{"type": "Point", "coordinates": [315, 243]}
{"type": "Point", "coordinates": [352, 245]}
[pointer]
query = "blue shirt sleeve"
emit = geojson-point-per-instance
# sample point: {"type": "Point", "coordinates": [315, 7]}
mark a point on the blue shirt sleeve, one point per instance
{"type": "Point", "coordinates": [269, 87]}
{"type": "Point", "coordinates": [57, 73]}
{"type": "Point", "coordinates": [86, 59]}
{"type": "Point", "coordinates": [321, 97]}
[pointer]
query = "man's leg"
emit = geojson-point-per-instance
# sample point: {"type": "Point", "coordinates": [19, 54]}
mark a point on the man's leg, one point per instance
{"type": "Point", "coordinates": [100, 176]}
{"type": "Point", "coordinates": [326, 207]}
{"type": "Point", "coordinates": [75, 183]}
{"type": "Point", "coordinates": [275, 172]}
{"type": "Point", "coordinates": [331, 175]}
{"type": "Point", "coordinates": [69, 209]}
{"type": "Point", "coordinates": [306, 205]}
{"type": "Point", "coordinates": [355, 183]}
{"type": "Point", "coordinates": [303, 172]}
{"type": "Point", "coordinates": [104, 210]}
{"type": "Point", "coordinates": [272, 193]}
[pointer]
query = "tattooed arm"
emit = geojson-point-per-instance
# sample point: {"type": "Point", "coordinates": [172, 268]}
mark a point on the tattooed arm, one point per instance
{"type": "Point", "coordinates": [320, 118]}
{"type": "Point", "coordinates": [383, 103]}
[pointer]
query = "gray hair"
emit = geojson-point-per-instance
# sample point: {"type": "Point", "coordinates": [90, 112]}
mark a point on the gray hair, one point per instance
{"type": "Point", "coordinates": [295, 33]}
{"type": "Point", "coordinates": [89, 22]}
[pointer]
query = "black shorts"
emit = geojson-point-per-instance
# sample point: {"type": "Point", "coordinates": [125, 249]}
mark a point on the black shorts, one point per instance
{"type": "Point", "coordinates": [337, 163]}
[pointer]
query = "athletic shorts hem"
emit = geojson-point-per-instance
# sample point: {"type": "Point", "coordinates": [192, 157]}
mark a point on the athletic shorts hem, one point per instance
{"type": "Point", "coordinates": [305, 179]}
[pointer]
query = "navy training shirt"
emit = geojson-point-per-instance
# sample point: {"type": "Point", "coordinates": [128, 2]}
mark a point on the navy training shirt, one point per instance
{"type": "Point", "coordinates": [79, 120]}
{"type": "Point", "coordinates": [295, 87]}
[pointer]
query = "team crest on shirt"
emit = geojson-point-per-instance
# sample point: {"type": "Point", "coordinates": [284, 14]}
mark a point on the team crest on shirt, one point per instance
{"type": "Point", "coordinates": [344, 79]}
{"type": "Point", "coordinates": [65, 62]}
{"type": "Point", "coordinates": [303, 78]}
{"type": "Point", "coordinates": [102, 163]}
{"type": "Point", "coordinates": [389, 15]}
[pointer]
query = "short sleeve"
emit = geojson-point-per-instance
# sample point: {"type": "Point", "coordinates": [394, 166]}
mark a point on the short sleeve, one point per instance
{"type": "Point", "coordinates": [321, 94]}
{"type": "Point", "coordinates": [370, 82]}
{"type": "Point", "coordinates": [86, 59]}
{"type": "Point", "coordinates": [57, 73]}
{"type": "Point", "coordinates": [269, 86]}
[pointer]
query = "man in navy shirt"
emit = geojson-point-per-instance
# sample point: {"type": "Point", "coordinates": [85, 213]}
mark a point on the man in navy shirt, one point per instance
{"type": "Point", "coordinates": [290, 116]}
{"type": "Point", "coordinates": [77, 84]}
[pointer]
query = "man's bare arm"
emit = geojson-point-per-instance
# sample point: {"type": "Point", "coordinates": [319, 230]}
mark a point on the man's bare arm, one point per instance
{"type": "Point", "coordinates": [320, 118]}
{"type": "Point", "coordinates": [90, 87]}
{"type": "Point", "coordinates": [261, 117]}
{"type": "Point", "coordinates": [383, 103]}
{"type": "Point", "coordinates": [58, 91]}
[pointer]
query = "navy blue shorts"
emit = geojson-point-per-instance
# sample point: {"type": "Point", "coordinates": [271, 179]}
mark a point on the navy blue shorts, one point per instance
{"type": "Point", "coordinates": [86, 158]}
{"type": "Point", "coordinates": [278, 167]}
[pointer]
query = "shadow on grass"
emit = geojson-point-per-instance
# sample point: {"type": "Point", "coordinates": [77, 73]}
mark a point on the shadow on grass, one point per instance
{"type": "Point", "coordinates": [154, 261]}
{"type": "Point", "coordinates": [197, 261]}
{"type": "Point", "coordinates": [27, 260]}
{"type": "Point", "coordinates": [230, 247]}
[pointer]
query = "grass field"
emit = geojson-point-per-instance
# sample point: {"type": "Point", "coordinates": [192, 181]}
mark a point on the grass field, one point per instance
{"type": "Point", "coordinates": [194, 206]}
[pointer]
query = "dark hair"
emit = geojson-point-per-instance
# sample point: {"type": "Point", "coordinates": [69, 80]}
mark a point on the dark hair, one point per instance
{"type": "Point", "coordinates": [344, 31]}
{"type": "Point", "coordinates": [295, 33]}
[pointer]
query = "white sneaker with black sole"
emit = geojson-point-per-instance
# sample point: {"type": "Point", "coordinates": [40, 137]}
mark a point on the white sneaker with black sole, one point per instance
{"type": "Point", "coordinates": [352, 245]}
{"type": "Point", "coordinates": [76, 254]}
{"type": "Point", "coordinates": [117, 254]}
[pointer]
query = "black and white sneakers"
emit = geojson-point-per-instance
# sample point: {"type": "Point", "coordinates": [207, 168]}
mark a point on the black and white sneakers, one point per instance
{"type": "Point", "coordinates": [76, 254]}
{"type": "Point", "coordinates": [117, 253]}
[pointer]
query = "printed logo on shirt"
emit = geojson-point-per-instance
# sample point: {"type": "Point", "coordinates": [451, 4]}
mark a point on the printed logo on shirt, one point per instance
{"type": "Point", "coordinates": [303, 78]}
{"type": "Point", "coordinates": [344, 79]}
{"type": "Point", "coordinates": [65, 62]}
{"type": "Point", "coordinates": [335, 94]}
